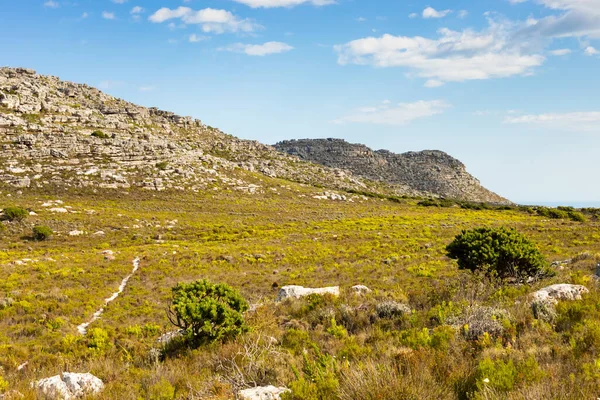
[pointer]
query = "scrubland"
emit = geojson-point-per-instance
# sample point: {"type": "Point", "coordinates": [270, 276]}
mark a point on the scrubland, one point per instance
{"type": "Point", "coordinates": [466, 335]}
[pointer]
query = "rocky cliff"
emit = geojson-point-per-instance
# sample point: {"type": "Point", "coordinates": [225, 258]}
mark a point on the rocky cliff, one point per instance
{"type": "Point", "coordinates": [425, 171]}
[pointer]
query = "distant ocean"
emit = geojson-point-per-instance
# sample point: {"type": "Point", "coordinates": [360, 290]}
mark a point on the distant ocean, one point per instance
{"type": "Point", "coordinates": [576, 204]}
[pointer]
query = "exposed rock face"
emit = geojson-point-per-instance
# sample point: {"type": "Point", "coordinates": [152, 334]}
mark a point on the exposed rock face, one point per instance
{"type": "Point", "coordinates": [545, 299]}
{"type": "Point", "coordinates": [296, 292]}
{"type": "Point", "coordinates": [69, 386]}
{"type": "Point", "coordinates": [262, 393]}
{"type": "Point", "coordinates": [57, 133]}
{"type": "Point", "coordinates": [427, 171]}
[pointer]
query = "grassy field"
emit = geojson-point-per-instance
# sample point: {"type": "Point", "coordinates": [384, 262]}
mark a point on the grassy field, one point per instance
{"type": "Point", "coordinates": [322, 348]}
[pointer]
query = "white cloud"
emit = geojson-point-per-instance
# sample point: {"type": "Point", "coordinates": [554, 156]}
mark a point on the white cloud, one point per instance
{"type": "Point", "coordinates": [84, 15]}
{"type": "Point", "coordinates": [51, 4]}
{"type": "Point", "coordinates": [452, 57]}
{"type": "Point", "coordinates": [193, 38]}
{"type": "Point", "coordinates": [575, 121]}
{"type": "Point", "coordinates": [108, 15]}
{"type": "Point", "coordinates": [283, 3]}
{"type": "Point", "coordinates": [579, 18]}
{"type": "Point", "coordinates": [431, 12]}
{"type": "Point", "coordinates": [463, 14]}
{"type": "Point", "coordinates": [413, 15]}
{"type": "Point", "coordinates": [146, 88]}
{"type": "Point", "coordinates": [119, 1]}
{"type": "Point", "coordinates": [560, 52]}
{"type": "Point", "coordinates": [591, 51]}
{"type": "Point", "coordinates": [210, 19]}
{"type": "Point", "coordinates": [396, 115]}
{"type": "Point", "coordinates": [137, 10]}
{"type": "Point", "coordinates": [433, 83]}
{"type": "Point", "coordinates": [259, 49]}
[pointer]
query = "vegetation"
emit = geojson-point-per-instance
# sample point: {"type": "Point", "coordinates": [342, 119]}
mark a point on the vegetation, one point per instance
{"type": "Point", "coordinates": [100, 135]}
{"type": "Point", "coordinates": [428, 329]}
{"type": "Point", "coordinates": [162, 166]}
{"type": "Point", "coordinates": [502, 252]}
{"type": "Point", "coordinates": [15, 213]}
{"type": "Point", "coordinates": [41, 233]}
{"type": "Point", "coordinates": [208, 312]}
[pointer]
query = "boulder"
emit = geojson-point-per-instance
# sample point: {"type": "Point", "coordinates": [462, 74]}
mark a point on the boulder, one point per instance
{"type": "Point", "coordinates": [545, 299]}
{"type": "Point", "coordinates": [68, 386]}
{"type": "Point", "coordinates": [262, 393]}
{"type": "Point", "coordinates": [296, 292]}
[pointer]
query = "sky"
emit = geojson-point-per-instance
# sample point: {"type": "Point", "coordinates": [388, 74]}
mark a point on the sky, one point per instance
{"type": "Point", "coordinates": [509, 87]}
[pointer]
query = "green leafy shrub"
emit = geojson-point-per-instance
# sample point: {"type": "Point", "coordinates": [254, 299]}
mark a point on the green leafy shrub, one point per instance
{"type": "Point", "coordinates": [162, 165]}
{"type": "Point", "coordinates": [41, 233]}
{"type": "Point", "coordinates": [161, 390]}
{"type": "Point", "coordinates": [15, 213]}
{"type": "Point", "coordinates": [2, 229]}
{"type": "Point", "coordinates": [100, 135]}
{"type": "Point", "coordinates": [207, 312]}
{"type": "Point", "coordinates": [3, 385]}
{"type": "Point", "coordinates": [502, 252]}
{"type": "Point", "coordinates": [498, 374]}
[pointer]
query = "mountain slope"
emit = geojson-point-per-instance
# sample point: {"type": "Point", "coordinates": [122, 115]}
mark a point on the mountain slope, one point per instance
{"type": "Point", "coordinates": [426, 171]}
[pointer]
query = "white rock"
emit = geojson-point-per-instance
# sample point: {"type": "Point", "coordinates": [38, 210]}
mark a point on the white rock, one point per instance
{"type": "Point", "coordinates": [69, 386]}
{"type": "Point", "coordinates": [361, 289]}
{"type": "Point", "coordinates": [99, 233]}
{"type": "Point", "coordinates": [59, 210]}
{"type": "Point", "coordinates": [552, 294]}
{"type": "Point", "coordinates": [75, 233]}
{"type": "Point", "coordinates": [262, 393]}
{"type": "Point", "coordinates": [296, 292]}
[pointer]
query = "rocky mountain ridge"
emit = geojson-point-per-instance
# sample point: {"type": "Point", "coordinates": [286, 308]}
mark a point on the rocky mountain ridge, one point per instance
{"type": "Point", "coordinates": [58, 133]}
{"type": "Point", "coordinates": [428, 171]}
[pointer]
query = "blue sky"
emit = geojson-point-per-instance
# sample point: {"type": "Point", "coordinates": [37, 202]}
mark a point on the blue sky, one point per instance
{"type": "Point", "coordinates": [509, 87]}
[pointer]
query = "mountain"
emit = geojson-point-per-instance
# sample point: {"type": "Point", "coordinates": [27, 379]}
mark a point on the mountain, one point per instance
{"type": "Point", "coordinates": [58, 133]}
{"type": "Point", "coordinates": [427, 171]}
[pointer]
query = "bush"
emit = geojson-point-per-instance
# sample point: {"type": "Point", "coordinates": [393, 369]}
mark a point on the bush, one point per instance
{"type": "Point", "coordinates": [2, 229]}
{"type": "Point", "coordinates": [207, 312]}
{"type": "Point", "coordinates": [162, 165]}
{"type": "Point", "coordinates": [100, 135]}
{"type": "Point", "coordinates": [502, 252]}
{"type": "Point", "coordinates": [41, 233]}
{"type": "Point", "coordinates": [15, 213]}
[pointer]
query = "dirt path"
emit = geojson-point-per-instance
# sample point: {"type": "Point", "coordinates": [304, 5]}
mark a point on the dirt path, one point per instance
{"type": "Point", "coordinates": [83, 327]}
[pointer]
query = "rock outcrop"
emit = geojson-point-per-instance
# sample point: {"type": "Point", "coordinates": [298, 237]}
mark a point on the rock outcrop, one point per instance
{"type": "Point", "coordinates": [545, 299]}
{"type": "Point", "coordinates": [296, 292]}
{"type": "Point", "coordinates": [262, 393]}
{"type": "Point", "coordinates": [69, 386]}
{"type": "Point", "coordinates": [433, 172]}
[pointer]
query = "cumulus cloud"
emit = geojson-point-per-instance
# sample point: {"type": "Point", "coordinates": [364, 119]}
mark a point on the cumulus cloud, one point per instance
{"type": "Point", "coordinates": [193, 38]}
{"type": "Point", "coordinates": [575, 121]}
{"type": "Point", "coordinates": [431, 12]}
{"type": "Point", "coordinates": [560, 52]}
{"type": "Point", "coordinates": [283, 3]}
{"type": "Point", "coordinates": [452, 57]}
{"type": "Point", "coordinates": [259, 49]}
{"type": "Point", "coordinates": [387, 113]}
{"type": "Point", "coordinates": [591, 51]}
{"type": "Point", "coordinates": [108, 15]}
{"type": "Point", "coordinates": [51, 4]}
{"type": "Point", "coordinates": [578, 18]}
{"type": "Point", "coordinates": [210, 19]}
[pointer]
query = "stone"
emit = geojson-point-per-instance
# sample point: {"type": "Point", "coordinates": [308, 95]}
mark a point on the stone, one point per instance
{"type": "Point", "coordinates": [67, 386]}
{"type": "Point", "coordinates": [296, 292]}
{"type": "Point", "coordinates": [262, 393]}
{"type": "Point", "coordinates": [75, 233]}
{"type": "Point", "coordinates": [544, 300]}
{"type": "Point", "coordinates": [360, 289]}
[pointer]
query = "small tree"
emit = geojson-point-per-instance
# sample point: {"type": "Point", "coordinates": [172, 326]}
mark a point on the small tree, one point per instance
{"type": "Point", "coordinates": [15, 213]}
{"type": "Point", "coordinates": [41, 233]}
{"type": "Point", "coordinates": [207, 312]}
{"type": "Point", "coordinates": [503, 252]}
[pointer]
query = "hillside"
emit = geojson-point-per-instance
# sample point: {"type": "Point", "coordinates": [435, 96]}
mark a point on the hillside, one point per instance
{"type": "Point", "coordinates": [54, 132]}
{"type": "Point", "coordinates": [424, 171]}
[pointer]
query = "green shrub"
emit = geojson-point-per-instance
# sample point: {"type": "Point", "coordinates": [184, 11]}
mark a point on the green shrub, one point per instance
{"type": "Point", "coordinates": [503, 252]}
{"type": "Point", "coordinates": [2, 229]}
{"type": "Point", "coordinates": [161, 390]}
{"type": "Point", "coordinates": [497, 374]}
{"type": "Point", "coordinates": [15, 213]}
{"type": "Point", "coordinates": [41, 233]}
{"type": "Point", "coordinates": [576, 216]}
{"type": "Point", "coordinates": [100, 135]}
{"type": "Point", "coordinates": [207, 312]}
{"type": "Point", "coordinates": [3, 385]}
{"type": "Point", "coordinates": [162, 165]}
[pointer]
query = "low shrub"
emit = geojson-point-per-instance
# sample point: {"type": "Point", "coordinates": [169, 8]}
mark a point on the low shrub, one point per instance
{"type": "Point", "coordinates": [162, 165]}
{"type": "Point", "coordinates": [100, 135]}
{"type": "Point", "coordinates": [502, 252]}
{"type": "Point", "coordinates": [207, 312]}
{"type": "Point", "coordinates": [41, 233]}
{"type": "Point", "coordinates": [15, 213]}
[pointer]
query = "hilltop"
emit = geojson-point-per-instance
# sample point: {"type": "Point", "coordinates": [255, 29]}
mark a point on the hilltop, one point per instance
{"type": "Point", "coordinates": [428, 171]}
